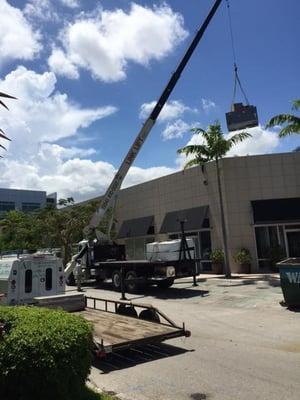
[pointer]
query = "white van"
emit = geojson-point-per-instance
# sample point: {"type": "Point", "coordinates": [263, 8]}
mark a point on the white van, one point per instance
{"type": "Point", "coordinates": [27, 276]}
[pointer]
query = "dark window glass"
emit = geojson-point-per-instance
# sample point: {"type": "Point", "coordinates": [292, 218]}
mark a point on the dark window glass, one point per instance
{"type": "Point", "coordinates": [266, 238]}
{"type": "Point", "coordinates": [27, 207]}
{"type": "Point", "coordinates": [48, 282]}
{"type": "Point", "coordinates": [6, 206]}
{"type": "Point", "coordinates": [205, 241]}
{"type": "Point", "coordinates": [28, 281]}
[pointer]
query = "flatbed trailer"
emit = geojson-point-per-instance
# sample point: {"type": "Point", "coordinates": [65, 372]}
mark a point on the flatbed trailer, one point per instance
{"type": "Point", "coordinates": [114, 331]}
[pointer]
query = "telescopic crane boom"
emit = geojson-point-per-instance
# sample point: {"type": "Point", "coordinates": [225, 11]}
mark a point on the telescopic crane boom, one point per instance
{"type": "Point", "coordinates": [118, 179]}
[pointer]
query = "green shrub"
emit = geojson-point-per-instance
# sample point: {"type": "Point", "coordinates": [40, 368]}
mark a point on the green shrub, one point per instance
{"type": "Point", "coordinates": [217, 256]}
{"type": "Point", "coordinates": [242, 257]}
{"type": "Point", "coordinates": [46, 354]}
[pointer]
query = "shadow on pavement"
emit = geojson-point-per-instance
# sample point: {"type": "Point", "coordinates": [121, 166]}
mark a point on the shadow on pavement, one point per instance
{"type": "Point", "coordinates": [137, 355]}
{"type": "Point", "coordinates": [271, 280]}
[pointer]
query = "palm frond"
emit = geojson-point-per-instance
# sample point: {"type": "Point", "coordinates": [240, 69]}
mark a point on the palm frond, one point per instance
{"type": "Point", "coordinates": [192, 163]}
{"type": "Point", "coordinates": [192, 149]}
{"type": "Point", "coordinates": [289, 129]}
{"type": "Point", "coordinates": [3, 136]}
{"type": "Point", "coordinates": [283, 119]}
{"type": "Point", "coordinates": [197, 130]}
{"type": "Point", "coordinates": [8, 96]}
{"type": "Point", "coordinates": [239, 137]}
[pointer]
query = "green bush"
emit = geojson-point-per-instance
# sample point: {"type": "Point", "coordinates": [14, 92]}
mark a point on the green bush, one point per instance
{"type": "Point", "coordinates": [217, 256]}
{"type": "Point", "coordinates": [46, 354]}
{"type": "Point", "coordinates": [242, 257]}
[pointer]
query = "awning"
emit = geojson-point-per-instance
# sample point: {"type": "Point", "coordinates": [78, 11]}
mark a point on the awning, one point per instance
{"type": "Point", "coordinates": [276, 210]}
{"type": "Point", "coordinates": [193, 217]}
{"type": "Point", "coordinates": [137, 227]}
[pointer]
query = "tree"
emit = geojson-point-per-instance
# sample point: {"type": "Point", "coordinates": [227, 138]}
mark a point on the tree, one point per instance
{"type": "Point", "coordinates": [48, 227]}
{"type": "Point", "coordinates": [291, 122]}
{"type": "Point", "coordinates": [214, 148]}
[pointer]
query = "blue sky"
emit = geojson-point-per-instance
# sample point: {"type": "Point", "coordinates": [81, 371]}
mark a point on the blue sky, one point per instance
{"type": "Point", "coordinates": [85, 72]}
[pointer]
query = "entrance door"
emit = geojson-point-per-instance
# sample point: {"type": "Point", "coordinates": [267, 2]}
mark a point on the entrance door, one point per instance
{"type": "Point", "coordinates": [293, 242]}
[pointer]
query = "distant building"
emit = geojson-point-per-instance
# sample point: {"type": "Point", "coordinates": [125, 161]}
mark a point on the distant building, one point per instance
{"type": "Point", "coordinates": [24, 200]}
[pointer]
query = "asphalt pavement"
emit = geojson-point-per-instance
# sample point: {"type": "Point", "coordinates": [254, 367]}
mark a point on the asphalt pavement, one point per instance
{"type": "Point", "coordinates": [245, 345]}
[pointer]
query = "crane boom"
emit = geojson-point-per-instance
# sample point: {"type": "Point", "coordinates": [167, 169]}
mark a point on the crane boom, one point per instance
{"type": "Point", "coordinates": [146, 128]}
{"type": "Point", "coordinates": [119, 177]}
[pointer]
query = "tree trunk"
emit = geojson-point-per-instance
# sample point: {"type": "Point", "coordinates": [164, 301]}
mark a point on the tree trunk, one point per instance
{"type": "Point", "coordinates": [223, 225]}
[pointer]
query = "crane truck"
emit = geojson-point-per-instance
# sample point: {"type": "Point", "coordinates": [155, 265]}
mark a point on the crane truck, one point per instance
{"type": "Point", "coordinates": [101, 259]}
{"type": "Point", "coordinates": [39, 279]}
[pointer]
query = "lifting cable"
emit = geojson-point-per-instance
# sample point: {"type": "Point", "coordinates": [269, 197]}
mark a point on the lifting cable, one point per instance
{"type": "Point", "coordinates": [236, 75]}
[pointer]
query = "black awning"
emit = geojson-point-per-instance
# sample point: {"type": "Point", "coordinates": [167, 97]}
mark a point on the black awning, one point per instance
{"type": "Point", "coordinates": [276, 210]}
{"type": "Point", "coordinates": [193, 217]}
{"type": "Point", "coordinates": [137, 227]}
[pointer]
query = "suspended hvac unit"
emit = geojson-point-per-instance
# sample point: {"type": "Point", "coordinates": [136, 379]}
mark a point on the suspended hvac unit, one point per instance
{"type": "Point", "coordinates": [241, 117]}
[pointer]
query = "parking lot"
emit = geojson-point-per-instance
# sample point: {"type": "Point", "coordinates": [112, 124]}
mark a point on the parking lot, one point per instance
{"type": "Point", "coordinates": [244, 344]}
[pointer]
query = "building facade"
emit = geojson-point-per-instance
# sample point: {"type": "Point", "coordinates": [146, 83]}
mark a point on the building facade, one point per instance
{"type": "Point", "coordinates": [261, 201]}
{"type": "Point", "coordinates": [24, 200]}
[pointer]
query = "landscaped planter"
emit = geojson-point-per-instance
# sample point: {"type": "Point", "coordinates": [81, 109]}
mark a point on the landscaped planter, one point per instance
{"type": "Point", "coordinates": [244, 268]}
{"type": "Point", "coordinates": [290, 281]}
{"type": "Point", "coordinates": [217, 268]}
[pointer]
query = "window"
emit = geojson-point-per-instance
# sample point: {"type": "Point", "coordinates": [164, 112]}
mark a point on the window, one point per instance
{"type": "Point", "coordinates": [27, 207]}
{"type": "Point", "coordinates": [48, 282]}
{"type": "Point", "coordinates": [6, 206]}
{"type": "Point", "coordinates": [28, 281]}
{"type": "Point", "coordinates": [266, 238]}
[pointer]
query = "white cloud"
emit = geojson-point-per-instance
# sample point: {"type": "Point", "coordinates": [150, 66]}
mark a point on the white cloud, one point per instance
{"type": "Point", "coordinates": [18, 41]}
{"type": "Point", "coordinates": [35, 121]}
{"type": "Point", "coordinates": [40, 9]}
{"type": "Point", "coordinates": [59, 62]}
{"type": "Point", "coordinates": [104, 44]}
{"type": "Point", "coordinates": [262, 141]}
{"type": "Point", "coordinates": [139, 175]}
{"type": "Point", "coordinates": [171, 110]}
{"type": "Point", "coordinates": [70, 3]}
{"type": "Point", "coordinates": [208, 105]}
{"type": "Point", "coordinates": [176, 129]}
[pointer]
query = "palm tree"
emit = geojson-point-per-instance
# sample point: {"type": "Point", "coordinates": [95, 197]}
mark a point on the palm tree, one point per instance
{"type": "Point", "coordinates": [292, 122]}
{"type": "Point", "coordinates": [2, 134]}
{"type": "Point", "coordinates": [215, 147]}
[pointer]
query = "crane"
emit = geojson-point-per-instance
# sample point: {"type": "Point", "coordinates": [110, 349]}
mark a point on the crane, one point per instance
{"type": "Point", "coordinates": [119, 177]}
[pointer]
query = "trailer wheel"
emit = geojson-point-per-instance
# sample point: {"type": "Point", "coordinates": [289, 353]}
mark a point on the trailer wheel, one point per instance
{"type": "Point", "coordinates": [124, 309]}
{"type": "Point", "coordinates": [166, 283]}
{"type": "Point", "coordinates": [149, 315]}
{"type": "Point", "coordinates": [116, 280]}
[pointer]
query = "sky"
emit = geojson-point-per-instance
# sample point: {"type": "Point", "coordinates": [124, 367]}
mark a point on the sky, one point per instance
{"type": "Point", "coordinates": [87, 74]}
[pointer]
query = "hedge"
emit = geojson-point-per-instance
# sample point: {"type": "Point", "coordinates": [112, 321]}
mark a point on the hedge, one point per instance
{"type": "Point", "coordinates": [46, 354]}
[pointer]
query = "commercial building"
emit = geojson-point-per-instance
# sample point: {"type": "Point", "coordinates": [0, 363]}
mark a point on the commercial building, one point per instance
{"type": "Point", "coordinates": [261, 201]}
{"type": "Point", "coordinates": [24, 200]}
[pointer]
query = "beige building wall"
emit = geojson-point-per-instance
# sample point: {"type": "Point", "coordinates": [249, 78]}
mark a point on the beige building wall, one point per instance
{"type": "Point", "coordinates": [244, 179]}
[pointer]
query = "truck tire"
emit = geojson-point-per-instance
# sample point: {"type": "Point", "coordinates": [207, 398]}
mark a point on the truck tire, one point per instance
{"type": "Point", "coordinates": [131, 286]}
{"type": "Point", "coordinates": [166, 283]}
{"type": "Point", "coordinates": [116, 280]}
{"type": "Point", "coordinates": [71, 280]}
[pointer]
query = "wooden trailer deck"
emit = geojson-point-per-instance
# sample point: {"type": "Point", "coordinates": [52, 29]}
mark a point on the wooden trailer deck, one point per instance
{"type": "Point", "coordinates": [113, 331]}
